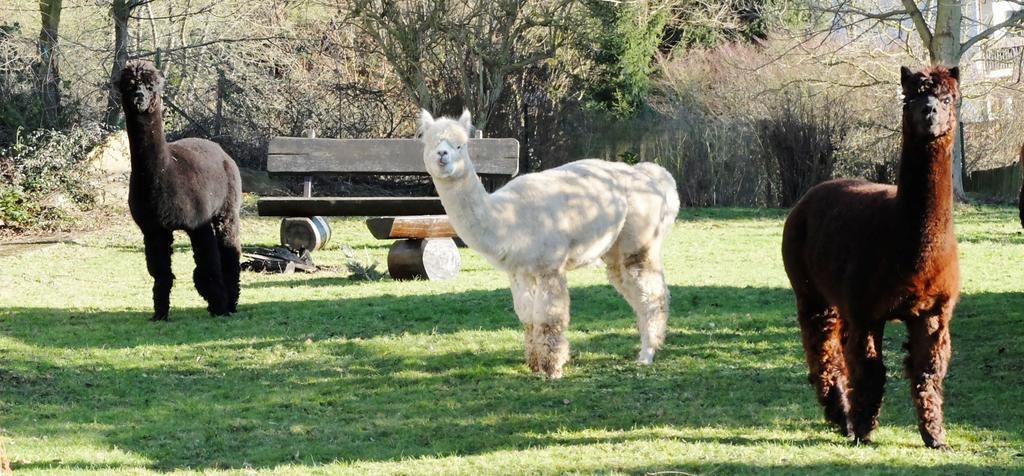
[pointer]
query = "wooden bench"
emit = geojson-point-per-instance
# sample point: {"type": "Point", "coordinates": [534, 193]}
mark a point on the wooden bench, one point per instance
{"type": "Point", "coordinates": [426, 248]}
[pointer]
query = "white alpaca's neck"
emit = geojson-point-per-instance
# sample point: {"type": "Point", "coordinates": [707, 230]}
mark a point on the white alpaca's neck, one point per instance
{"type": "Point", "coordinates": [471, 211]}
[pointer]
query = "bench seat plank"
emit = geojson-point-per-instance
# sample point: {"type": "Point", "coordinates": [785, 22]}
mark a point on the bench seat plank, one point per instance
{"type": "Point", "coordinates": [348, 206]}
{"type": "Point", "coordinates": [305, 156]}
{"type": "Point", "coordinates": [418, 227]}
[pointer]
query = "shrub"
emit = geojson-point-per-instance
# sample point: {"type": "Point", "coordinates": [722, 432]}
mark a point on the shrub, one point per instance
{"type": "Point", "coordinates": [719, 165]}
{"type": "Point", "coordinates": [628, 36]}
{"type": "Point", "coordinates": [800, 139]}
{"type": "Point", "coordinates": [798, 121]}
{"type": "Point", "coordinates": [44, 176]}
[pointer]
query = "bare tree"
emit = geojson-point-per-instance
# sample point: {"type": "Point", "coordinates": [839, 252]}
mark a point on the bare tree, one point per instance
{"type": "Point", "coordinates": [938, 25]}
{"type": "Point", "coordinates": [49, 47]}
{"type": "Point", "coordinates": [405, 36]}
{"type": "Point", "coordinates": [120, 13]}
{"type": "Point", "coordinates": [463, 51]}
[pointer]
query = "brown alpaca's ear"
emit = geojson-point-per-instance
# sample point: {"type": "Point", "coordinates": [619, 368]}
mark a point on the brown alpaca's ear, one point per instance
{"type": "Point", "coordinates": [905, 76]}
{"type": "Point", "coordinates": [954, 73]}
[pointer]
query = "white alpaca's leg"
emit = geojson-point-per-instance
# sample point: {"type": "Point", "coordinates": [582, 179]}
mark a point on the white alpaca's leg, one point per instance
{"type": "Point", "coordinates": [641, 281]}
{"type": "Point", "coordinates": [617, 276]}
{"type": "Point", "coordinates": [523, 300]}
{"type": "Point", "coordinates": [614, 270]}
{"type": "Point", "coordinates": [547, 348]}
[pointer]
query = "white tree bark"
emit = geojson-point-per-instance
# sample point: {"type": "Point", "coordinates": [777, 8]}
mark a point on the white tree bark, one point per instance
{"type": "Point", "coordinates": [944, 47]}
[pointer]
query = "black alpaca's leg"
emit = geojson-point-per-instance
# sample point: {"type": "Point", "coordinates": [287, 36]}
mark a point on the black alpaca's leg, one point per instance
{"type": "Point", "coordinates": [230, 255]}
{"type": "Point", "coordinates": [207, 275]}
{"type": "Point", "coordinates": [158, 262]}
{"type": "Point", "coordinates": [821, 330]}
{"type": "Point", "coordinates": [867, 378]}
{"type": "Point", "coordinates": [929, 344]}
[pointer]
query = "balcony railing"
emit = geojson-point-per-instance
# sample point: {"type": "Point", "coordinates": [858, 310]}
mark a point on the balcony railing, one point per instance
{"type": "Point", "coordinates": [1003, 61]}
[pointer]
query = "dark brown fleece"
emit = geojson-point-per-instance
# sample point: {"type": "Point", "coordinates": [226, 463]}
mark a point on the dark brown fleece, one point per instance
{"type": "Point", "coordinates": [859, 254]}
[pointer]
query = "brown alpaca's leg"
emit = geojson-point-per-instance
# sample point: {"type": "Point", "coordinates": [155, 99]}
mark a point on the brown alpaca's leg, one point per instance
{"type": "Point", "coordinates": [550, 320]}
{"type": "Point", "coordinates": [207, 276]}
{"type": "Point", "coordinates": [641, 282]}
{"type": "Point", "coordinates": [158, 263]}
{"type": "Point", "coordinates": [929, 344]}
{"type": "Point", "coordinates": [867, 377]}
{"type": "Point", "coordinates": [821, 330]}
{"type": "Point", "coordinates": [230, 248]}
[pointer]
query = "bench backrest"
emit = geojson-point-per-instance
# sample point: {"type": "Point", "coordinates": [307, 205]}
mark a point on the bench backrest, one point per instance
{"type": "Point", "coordinates": [307, 156]}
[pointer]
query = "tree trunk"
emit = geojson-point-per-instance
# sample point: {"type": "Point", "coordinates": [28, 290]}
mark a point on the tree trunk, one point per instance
{"type": "Point", "coordinates": [959, 193]}
{"type": "Point", "coordinates": [527, 133]}
{"type": "Point", "coordinates": [119, 12]}
{"type": "Point", "coordinates": [944, 49]}
{"type": "Point", "coordinates": [49, 73]}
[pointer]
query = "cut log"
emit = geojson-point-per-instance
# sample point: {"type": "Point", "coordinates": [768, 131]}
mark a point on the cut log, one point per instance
{"type": "Point", "coordinates": [433, 258]}
{"type": "Point", "coordinates": [426, 226]}
{"type": "Point", "coordinates": [301, 233]}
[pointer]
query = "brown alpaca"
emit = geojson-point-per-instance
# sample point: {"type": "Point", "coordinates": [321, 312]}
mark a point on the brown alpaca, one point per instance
{"type": "Point", "coordinates": [859, 253]}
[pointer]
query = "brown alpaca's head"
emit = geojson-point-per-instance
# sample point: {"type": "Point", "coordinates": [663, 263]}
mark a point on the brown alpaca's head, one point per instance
{"type": "Point", "coordinates": [140, 85]}
{"type": "Point", "coordinates": [929, 100]}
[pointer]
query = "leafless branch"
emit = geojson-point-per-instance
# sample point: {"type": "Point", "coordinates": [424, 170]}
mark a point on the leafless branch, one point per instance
{"type": "Point", "coordinates": [919, 21]}
{"type": "Point", "coordinates": [1015, 19]}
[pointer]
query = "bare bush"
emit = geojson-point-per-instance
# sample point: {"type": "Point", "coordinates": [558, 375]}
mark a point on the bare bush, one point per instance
{"type": "Point", "coordinates": [332, 87]}
{"type": "Point", "coordinates": [715, 161]}
{"type": "Point", "coordinates": [800, 139]}
{"type": "Point", "coordinates": [809, 118]}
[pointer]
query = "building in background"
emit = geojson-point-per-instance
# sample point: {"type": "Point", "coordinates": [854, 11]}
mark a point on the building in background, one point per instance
{"type": "Point", "coordinates": [997, 59]}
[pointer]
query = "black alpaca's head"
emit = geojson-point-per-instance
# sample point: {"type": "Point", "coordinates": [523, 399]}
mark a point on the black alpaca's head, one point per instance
{"type": "Point", "coordinates": [929, 100]}
{"type": "Point", "coordinates": [140, 85]}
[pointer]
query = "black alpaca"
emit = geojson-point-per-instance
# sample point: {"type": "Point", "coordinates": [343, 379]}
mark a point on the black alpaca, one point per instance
{"type": "Point", "coordinates": [190, 185]}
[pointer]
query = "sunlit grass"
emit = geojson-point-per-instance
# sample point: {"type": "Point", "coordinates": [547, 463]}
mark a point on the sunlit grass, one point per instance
{"type": "Point", "coordinates": [320, 374]}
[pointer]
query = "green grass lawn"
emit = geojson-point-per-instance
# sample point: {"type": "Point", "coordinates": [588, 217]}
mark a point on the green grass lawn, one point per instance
{"type": "Point", "coordinates": [320, 374]}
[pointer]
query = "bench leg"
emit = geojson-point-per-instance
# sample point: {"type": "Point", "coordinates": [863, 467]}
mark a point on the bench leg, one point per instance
{"type": "Point", "coordinates": [432, 258]}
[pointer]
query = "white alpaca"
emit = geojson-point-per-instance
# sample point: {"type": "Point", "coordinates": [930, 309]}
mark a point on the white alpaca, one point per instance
{"type": "Point", "coordinates": [541, 225]}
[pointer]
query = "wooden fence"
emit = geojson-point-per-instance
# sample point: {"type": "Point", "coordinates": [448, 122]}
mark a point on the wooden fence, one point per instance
{"type": "Point", "coordinates": [1002, 183]}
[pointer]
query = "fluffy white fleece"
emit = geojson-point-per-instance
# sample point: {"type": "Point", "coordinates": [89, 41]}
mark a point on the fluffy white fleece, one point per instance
{"type": "Point", "coordinates": [543, 224]}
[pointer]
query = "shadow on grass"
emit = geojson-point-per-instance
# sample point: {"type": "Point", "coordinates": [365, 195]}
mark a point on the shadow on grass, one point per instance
{"type": "Point", "coordinates": [365, 317]}
{"type": "Point", "coordinates": [370, 387]}
{"type": "Point", "coordinates": [1015, 237]}
{"type": "Point", "coordinates": [846, 467]}
{"type": "Point", "coordinates": [332, 279]}
{"type": "Point", "coordinates": [640, 468]}
{"type": "Point", "coordinates": [64, 465]}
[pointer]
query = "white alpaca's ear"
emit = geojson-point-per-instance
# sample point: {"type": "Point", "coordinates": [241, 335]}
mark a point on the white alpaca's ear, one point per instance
{"type": "Point", "coordinates": [466, 120]}
{"type": "Point", "coordinates": [425, 119]}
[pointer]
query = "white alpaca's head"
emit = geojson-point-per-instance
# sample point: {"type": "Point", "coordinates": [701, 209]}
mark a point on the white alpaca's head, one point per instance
{"type": "Point", "coordinates": [445, 151]}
